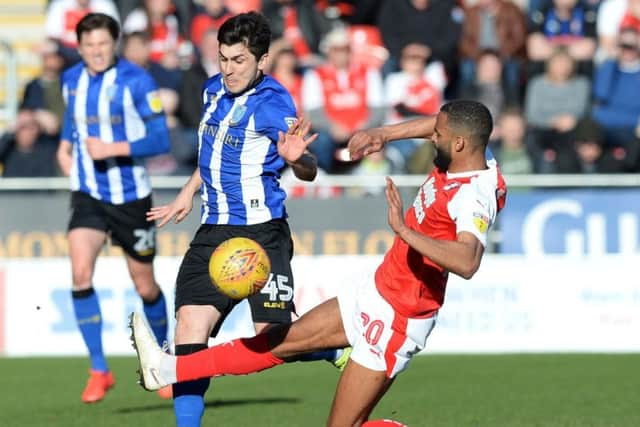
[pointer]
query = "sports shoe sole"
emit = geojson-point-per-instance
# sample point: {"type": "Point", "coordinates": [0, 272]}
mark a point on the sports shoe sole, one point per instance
{"type": "Point", "coordinates": [135, 347]}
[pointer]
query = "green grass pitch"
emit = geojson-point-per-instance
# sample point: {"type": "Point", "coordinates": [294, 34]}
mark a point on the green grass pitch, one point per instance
{"type": "Point", "coordinates": [437, 390]}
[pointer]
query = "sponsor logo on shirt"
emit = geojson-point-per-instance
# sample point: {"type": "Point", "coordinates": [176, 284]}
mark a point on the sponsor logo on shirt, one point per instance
{"type": "Point", "coordinates": [426, 193]}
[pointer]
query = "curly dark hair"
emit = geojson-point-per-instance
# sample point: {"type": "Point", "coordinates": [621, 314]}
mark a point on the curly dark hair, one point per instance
{"type": "Point", "coordinates": [251, 29]}
{"type": "Point", "coordinates": [472, 117]}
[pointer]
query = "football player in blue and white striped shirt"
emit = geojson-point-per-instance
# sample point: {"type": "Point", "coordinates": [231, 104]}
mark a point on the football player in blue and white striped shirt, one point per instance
{"type": "Point", "coordinates": [113, 120]}
{"type": "Point", "coordinates": [247, 134]}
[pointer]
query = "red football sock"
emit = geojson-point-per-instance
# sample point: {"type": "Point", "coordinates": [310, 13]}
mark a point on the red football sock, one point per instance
{"type": "Point", "coordinates": [237, 357]}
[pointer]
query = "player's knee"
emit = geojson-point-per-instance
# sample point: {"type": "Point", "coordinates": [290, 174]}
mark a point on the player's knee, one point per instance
{"type": "Point", "coordinates": [82, 277]}
{"type": "Point", "coordinates": [195, 325]}
{"type": "Point", "coordinates": [145, 283]}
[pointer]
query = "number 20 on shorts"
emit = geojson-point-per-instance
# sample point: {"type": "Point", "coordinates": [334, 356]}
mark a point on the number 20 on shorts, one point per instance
{"type": "Point", "coordinates": [374, 329]}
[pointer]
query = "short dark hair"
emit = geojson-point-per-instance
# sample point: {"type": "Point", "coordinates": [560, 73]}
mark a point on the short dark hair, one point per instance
{"type": "Point", "coordinates": [251, 29]}
{"type": "Point", "coordinates": [95, 21]}
{"type": "Point", "coordinates": [472, 116]}
{"type": "Point", "coordinates": [142, 35]}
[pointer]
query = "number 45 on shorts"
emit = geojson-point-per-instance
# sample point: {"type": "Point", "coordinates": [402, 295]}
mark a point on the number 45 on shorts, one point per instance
{"type": "Point", "coordinates": [278, 290]}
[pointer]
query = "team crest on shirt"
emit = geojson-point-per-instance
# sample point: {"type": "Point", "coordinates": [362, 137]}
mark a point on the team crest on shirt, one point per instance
{"type": "Point", "coordinates": [481, 221]}
{"type": "Point", "coordinates": [153, 99]}
{"type": "Point", "coordinates": [111, 92]}
{"type": "Point", "coordinates": [237, 114]}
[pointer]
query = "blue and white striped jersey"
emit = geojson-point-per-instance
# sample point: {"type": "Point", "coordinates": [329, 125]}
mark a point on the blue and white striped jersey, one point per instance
{"type": "Point", "coordinates": [237, 152]}
{"type": "Point", "coordinates": [118, 105]}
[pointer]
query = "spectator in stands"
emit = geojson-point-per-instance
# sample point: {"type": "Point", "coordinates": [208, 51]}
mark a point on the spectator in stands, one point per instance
{"type": "Point", "coordinates": [62, 17]}
{"type": "Point", "coordinates": [42, 94]}
{"type": "Point", "coordinates": [159, 19]}
{"type": "Point", "coordinates": [194, 78]}
{"type": "Point", "coordinates": [27, 152]}
{"type": "Point", "coordinates": [339, 98]}
{"type": "Point", "coordinates": [435, 23]}
{"type": "Point", "coordinates": [416, 90]}
{"type": "Point", "coordinates": [497, 25]}
{"type": "Point", "coordinates": [286, 70]}
{"type": "Point", "coordinates": [375, 164]}
{"type": "Point", "coordinates": [562, 23]}
{"type": "Point", "coordinates": [191, 102]}
{"type": "Point", "coordinates": [301, 24]}
{"type": "Point", "coordinates": [211, 16]}
{"type": "Point", "coordinates": [509, 147]}
{"type": "Point", "coordinates": [137, 49]}
{"type": "Point", "coordinates": [489, 85]}
{"type": "Point", "coordinates": [612, 16]}
{"type": "Point", "coordinates": [554, 103]}
{"type": "Point", "coordinates": [591, 153]}
{"type": "Point", "coordinates": [616, 93]}
{"type": "Point", "coordinates": [184, 11]}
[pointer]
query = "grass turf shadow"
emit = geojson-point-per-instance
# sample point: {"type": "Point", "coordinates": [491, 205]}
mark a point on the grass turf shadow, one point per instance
{"type": "Point", "coordinates": [213, 404]}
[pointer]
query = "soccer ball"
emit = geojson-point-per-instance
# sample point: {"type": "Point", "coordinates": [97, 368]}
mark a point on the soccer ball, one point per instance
{"type": "Point", "coordinates": [239, 267]}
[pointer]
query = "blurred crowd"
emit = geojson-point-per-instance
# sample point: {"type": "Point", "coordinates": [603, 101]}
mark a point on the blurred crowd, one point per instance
{"type": "Point", "coordinates": [561, 77]}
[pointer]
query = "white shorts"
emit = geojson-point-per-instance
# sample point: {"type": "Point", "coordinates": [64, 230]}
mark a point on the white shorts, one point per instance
{"type": "Point", "coordinates": [382, 339]}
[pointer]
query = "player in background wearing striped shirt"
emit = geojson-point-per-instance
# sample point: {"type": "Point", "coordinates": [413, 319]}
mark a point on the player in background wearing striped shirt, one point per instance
{"type": "Point", "coordinates": [113, 120]}
{"type": "Point", "coordinates": [387, 318]}
{"type": "Point", "coordinates": [247, 135]}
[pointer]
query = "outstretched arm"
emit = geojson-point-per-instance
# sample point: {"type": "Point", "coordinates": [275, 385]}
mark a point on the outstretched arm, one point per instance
{"type": "Point", "coordinates": [461, 256]}
{"type": "Point", "coordinates": [369, 141]}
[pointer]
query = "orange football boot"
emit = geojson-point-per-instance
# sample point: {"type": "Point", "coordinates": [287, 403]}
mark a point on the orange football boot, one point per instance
{"type": "Point", "coordinates": [97, 386]}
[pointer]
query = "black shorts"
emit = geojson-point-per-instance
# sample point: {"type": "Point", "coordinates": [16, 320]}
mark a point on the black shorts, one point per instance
{"type": "Point", "coordinates": [273, 304]}
{"type": "Point", "coordinates": [126, 224]}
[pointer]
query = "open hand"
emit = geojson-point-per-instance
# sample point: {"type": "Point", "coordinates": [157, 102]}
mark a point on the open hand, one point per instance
{"type": "Point", "coordinates": [293, 144]}
{"type": "Point", "coordinates": [395, 215]}
{"type": "Point", "coordinates": [176, 210]}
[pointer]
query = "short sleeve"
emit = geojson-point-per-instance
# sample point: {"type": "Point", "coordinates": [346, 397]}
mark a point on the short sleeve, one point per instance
{"type": "Point", "coordinates": [473, 212]}
{"type": "Point", "coordinates": [277, 117]}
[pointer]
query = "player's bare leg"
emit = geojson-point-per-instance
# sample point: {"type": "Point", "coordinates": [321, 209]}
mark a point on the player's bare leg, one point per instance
{"type": "Point", "coordinates": [84, 247]}
{"type": "Point", "coordinates": [143, 278]}
{"type": "Point", "coordinates": [154, 304]}
{"type": "Point", "coordinates": [358, 392]}
{"type": "Point", "coordinates": [318, 329]}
